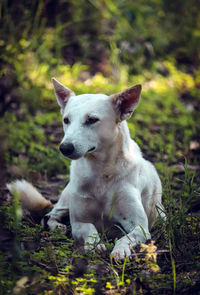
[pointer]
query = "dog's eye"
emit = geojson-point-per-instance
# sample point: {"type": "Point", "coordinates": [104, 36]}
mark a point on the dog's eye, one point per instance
{"type": "Point", "coordinates": [91, 120]}
{"type": "Point", "coordinates": [66, 120]}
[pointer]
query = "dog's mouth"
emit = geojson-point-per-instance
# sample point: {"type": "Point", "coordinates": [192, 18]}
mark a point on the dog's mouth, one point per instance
{"type": "Point", "coordinates": [91, 150]}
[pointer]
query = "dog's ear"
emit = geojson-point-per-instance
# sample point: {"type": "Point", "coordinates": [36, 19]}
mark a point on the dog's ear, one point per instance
{"type": "Point", "coordinates": [62, 93]}
{"type": "Point", "coordinates": [126, 101]}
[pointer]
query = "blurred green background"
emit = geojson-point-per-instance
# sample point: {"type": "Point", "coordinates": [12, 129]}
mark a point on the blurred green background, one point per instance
{"type": "Point", "coordinates": [97, 46]}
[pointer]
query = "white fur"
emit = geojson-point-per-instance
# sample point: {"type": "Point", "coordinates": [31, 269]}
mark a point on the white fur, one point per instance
{"type": "Point", "coordinates": [110, 181]}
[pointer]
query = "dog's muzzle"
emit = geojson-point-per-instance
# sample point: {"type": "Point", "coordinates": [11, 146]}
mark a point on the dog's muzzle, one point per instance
{"type": "Point", "coordinates": [69, 151]}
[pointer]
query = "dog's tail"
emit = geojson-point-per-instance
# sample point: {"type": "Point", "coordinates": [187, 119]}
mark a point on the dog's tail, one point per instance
{"type": "Point", "coordinates": [29, 196]}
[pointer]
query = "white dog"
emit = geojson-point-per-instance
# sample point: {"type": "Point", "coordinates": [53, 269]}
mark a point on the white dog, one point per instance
{"type": "Point", "coordinates": [110, 181]}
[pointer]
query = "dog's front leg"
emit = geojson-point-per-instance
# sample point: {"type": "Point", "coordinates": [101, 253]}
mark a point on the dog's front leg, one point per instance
{"type": "Point", "coordinates": [60, 210]}
{"type": "Point", "coordinates": [131, 215]}
{"type": "Point", "coordinates": [86, 233]}
{"type": "Point", "coordinates": [84, 212]}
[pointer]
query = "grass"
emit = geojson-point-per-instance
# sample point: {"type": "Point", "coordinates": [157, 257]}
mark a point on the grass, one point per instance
{"type": "Point", "coordinates": [35, 261]}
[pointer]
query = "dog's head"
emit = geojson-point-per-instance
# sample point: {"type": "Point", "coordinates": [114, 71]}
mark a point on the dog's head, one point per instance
{"type": "Point", "coordinates": [91, 121]}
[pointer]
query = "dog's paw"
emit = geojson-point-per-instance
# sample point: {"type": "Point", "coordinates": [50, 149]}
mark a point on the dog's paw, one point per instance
{"type": "Point", "coordinates": [53, 224]}
{"type": "Point", "coordinates": [101, 247]}
{"type": "Point", "coordinates": [122, 249]}
{"type": "Point", "coordinates": [121, 252]}
{"type": "Point", "coordinates": [62, 227]}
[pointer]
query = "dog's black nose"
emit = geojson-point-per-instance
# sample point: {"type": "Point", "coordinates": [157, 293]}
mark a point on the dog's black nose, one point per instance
{"type": "Point", "coordinates": [67, 149]}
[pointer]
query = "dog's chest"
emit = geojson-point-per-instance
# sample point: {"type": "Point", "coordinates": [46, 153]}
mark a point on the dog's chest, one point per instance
{"type": "Point", "coordinates": [93, 181]}
{"type": "Point", "coordinates": [99, 188]}
{"type": "Point", "coordinates": [97, 199]}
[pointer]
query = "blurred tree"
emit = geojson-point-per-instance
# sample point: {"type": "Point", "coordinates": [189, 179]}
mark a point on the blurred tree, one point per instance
{"type": "Point", "coordinates": [100, 33]}
{"type": "Point", "coordinates": [183, 23]}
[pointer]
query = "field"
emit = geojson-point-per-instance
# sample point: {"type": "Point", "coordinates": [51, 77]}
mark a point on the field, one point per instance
{"type": "Point", "coordinates": [166, 125]}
